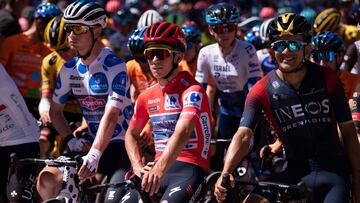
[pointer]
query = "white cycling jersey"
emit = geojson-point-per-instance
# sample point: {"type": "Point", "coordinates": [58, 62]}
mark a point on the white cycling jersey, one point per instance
{"type": "Point", "coordinates": [17, 124]}
{"type": "Point", "coordinates": [232, 73]}
{"type": "Point", "coordinates": [104, 83]}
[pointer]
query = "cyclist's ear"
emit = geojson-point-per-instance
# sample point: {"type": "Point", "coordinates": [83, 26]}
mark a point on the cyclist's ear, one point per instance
{"type": "Point", "coordinates": [178, 57]}
{"type": "Point", "coordinates": [97, 31]}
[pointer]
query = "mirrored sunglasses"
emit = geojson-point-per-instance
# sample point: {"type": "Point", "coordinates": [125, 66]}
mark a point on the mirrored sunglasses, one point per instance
{"type": "Point", "coordinates": [224, 28]}
{"type": "Point", "coordinates": [76, 29]}
{"type": "Point", "coordinates": [323, 56]}
{"type": "Point", "coordinates": [160, 53]}
{"type": "Point", "coordinates": [293, 45]}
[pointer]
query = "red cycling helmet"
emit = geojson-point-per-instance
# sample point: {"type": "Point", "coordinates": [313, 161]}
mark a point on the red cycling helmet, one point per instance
{"type": "Point", "coordinates": [165, 33]}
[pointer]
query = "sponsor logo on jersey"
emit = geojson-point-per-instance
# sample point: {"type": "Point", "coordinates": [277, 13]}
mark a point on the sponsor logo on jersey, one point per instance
{"type": "Point", "coordinates": [172, 102]}
{"type": "Point", "coordinates": [98, 83]}
{"type": "Point", "coordinates": [75, 77]}
{"type": "Point", "coordinates": [185, 83]}
{"type": "Point", "coordinates": [119, 83]}
{"type": "Point", "coordinates": [7, 127]}
{"type": "Point", "coordinates": [206, 130]}
{"type": "Point", "coordinates": [193, 99]}
{"type": "Point", "coordinates": [154, 108]}
{"type": "Point", "coordinates": [154, 101]}
{"type": "Point", "coordinates": [92, 103]}
{"type": "Point", "coordinates": [275, 84]}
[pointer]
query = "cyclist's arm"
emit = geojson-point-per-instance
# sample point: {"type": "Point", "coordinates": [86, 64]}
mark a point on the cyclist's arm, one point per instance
{"type": "Point", "coordinates": [350, 58]}
{"type": "Point", "coordinates": [211, 92]}
{"type": "Point", "coordinates": [58, 119]}
{"type": "Point", "coordinates": [133, 149]}
{"type": "Point", "coordinates": [202, 71]}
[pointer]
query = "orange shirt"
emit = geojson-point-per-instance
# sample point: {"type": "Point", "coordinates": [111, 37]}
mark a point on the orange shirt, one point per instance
{"type": "Point", "coordinates": [22, 59]}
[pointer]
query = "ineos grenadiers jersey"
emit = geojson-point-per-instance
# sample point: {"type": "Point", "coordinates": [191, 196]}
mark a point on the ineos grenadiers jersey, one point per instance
{"type": "Point", "coordinates": [305, 119]}
{"type": "Point", "coordinates": [233, 74]}
{"type": "Point", "coordinates": [182, 97]}
{"type": "Point", "coordinates": [103, 83]}
{"type": "Point", "coordinates": [17, 125]}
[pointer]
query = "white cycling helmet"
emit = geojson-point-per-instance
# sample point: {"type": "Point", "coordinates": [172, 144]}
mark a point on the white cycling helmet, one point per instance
{"type": "Point", "coordinates": [85, 13]}
{"type": "Point", "coordinates": [264, 34]}
{"type": "Point", "coordinates": [148, 18]}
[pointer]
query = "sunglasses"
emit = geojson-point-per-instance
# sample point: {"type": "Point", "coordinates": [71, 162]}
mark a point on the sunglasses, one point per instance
{"type": "Point", "coordinates": [224, 28]}
{"type": "Point", "coordinates": [293, 45]}
{"type": "Point", "coordinates": [160, 53]}
{"type": "Point", "coordinates": [76, 29]}
{"type": "Point", "coordinates": [324, 56]}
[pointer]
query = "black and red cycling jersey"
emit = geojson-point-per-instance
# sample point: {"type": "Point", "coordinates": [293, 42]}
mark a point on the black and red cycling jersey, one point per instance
{"type": "Point", "coordinates": [304, 119]}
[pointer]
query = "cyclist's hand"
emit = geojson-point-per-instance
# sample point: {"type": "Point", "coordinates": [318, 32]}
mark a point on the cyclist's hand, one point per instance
{"type": "Point", "coordinates": [148, 167]}
{"type": "Point", "coordinates": [220, 191]}
{"type": "Point", "coordinates": [79, 131]}
{"type": "Point", "coordinates": [151, 180]}
{"type": "Point", "coordinates": [90, 164]}
{"type": "Point", "coordinates": [78, 145]}
{"type": "Point", "coordinates": [45, 118]}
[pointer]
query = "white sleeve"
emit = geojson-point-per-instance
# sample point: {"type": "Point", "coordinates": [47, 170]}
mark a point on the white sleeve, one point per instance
{"type": "Point", "coordinates": [203, 67]}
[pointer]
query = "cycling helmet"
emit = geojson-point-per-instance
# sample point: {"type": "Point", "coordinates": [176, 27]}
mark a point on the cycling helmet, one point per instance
{"type": "Point", "coordinates": [285, 9]}
{"type": "Point", "coordinates": [54, 33]}
{"type": "Point", "coordinates": [148, 18]}
{"type": "Point", "coordinates": [249, 23]}
{"type": "Point", "coordinates": [253, 37]}
{"type": "Point", "coordinates": [267, 12]}
{"type": "Point", "coordinates": [85, 13]}
{"type": "Point", "coordinates": [309, 14]}
{"type": "Point", "coordinates": [126, 16]}
{"type": "Point", "coordinates": [175, 18]}
{"type": "Point", "coordinates": [165, 33]}
{"type": "Point", "coordinates": [192, 33]}
{"type": "Point", "coordinates": [264, 32]}
{"type": "Point", "coordinates": [136, 41]}
{"type": "Point", "coordinates": [327, 20]}
{"type": "Point", "coordinates": [222, 13]}
{"type": "Point", "coordinates": [289, 24]}
{"type": "Point", "coordinates": [46, 11]}
{"type": "Point", "coordinates": [328, 41]}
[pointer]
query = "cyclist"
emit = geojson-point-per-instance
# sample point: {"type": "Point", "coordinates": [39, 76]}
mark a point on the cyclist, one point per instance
{"type": "Point", "coordinates": [232, 64]}
{"type": "Point", "coordinates": [328, 51]}
{"type": "Point", "coordinates": [304, 103]}
{"type": "Point", "coordinates": [22, 55]}
{"type": "Point", "coordinates": [180, 117]}
{"type": "Point", "coordinates": [98, 80]}
{"type": "Point", "coordinates": [18, 134]}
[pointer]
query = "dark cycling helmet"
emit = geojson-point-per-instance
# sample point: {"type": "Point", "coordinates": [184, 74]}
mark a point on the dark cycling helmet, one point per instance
{"type": "Point", "coordinates": [309, 14]}
{"type": "Point", "coordinates": [328, 41]}
{"type": "Point", "coordinates": [46, 11]}
{"type": "Point", "coordinates": [136, 41]}
{"type": "Point", "coordinates": [165, 33]}
{"type": "Point", "coordinates": [126, 16]}
{"type": "Point", "coordinates": [192, 33]}
{"type": "Point", "coordinates": [222, 13]}
{"type": "Point", "coordinates": [289, 24]}
{"type": "Point", "coordinates": [54, 33]}
{"type": "Point", "coordinates": [253, 37]}
{"type": "Point", "coordinates": [175, 18]}
{"type": "Point", "coordinates": [85, 12]}
{"type": "Point", "coordinates": [327, 20]}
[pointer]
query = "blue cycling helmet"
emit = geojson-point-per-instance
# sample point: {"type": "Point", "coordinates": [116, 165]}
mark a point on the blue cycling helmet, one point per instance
{"type": "Point", "coordinates": [310, 14]}
{"type": "Point", "coordinates": [136, 41]}
{"type": "Point", "coordinates": [192, 33]}
{"type": "Point", "coordinates": [328, 41]}
{"type": "Point", "coordinates": [222, 13]}
{"type": "Point", "coordinates": [46, 11]}
{"type": "Point", "coordinates": [253, 37]}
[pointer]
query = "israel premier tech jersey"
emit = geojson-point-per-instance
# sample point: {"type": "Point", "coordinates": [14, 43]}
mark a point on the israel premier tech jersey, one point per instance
{"type": "Point", "coordinates": [104, 82]}
{"type": "Point", "coordinates": [233, 74]}
{"type": "Point", "coordinates": [182, 97]}
{"type": "Point", "coordinates": [305, 119]}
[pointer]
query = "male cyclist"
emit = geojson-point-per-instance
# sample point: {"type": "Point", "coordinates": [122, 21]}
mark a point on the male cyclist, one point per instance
{"type": "Point", "coordinates": [179, 112]}
{"type": "Point", "coordinates": [304, 103]}
{"type": "Point", "coordinates": [98, 80]}
{"type": "Point", "coordinates": [232, 64]}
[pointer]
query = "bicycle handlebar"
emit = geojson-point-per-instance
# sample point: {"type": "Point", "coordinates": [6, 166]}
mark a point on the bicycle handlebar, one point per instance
{"type": "Point", "coordinates": [50, 162]}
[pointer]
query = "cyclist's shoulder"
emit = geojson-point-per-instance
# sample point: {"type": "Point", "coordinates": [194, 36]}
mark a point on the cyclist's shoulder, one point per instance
{"type": "Point", "coordinates": [209, 49]}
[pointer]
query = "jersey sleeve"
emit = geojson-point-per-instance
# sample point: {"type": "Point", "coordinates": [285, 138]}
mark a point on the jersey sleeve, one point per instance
{"type": "Point", "coordinates": [194, 101]}
{"type": "Point", "coordinates": [141, 116]}
{"type": "Point", "coordinates": [5, 51]}
{"type": "Point", "coordinates": [337, 97]}
{"type": "Point", "coordinates": [47, 77]}
{"type": "Point", "coordinates": [203, 68]}
{"type": "Point", "coordinates": [119, 94]}
{"type": "Point", "coordinates": [252, 109]}
{"type": "Point", "coordinates": [253, 66]}
{"type": "Point", "coordinates": [62, 87]}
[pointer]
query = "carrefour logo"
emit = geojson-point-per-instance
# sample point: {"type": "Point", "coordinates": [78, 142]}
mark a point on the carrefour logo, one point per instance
{"type": "Point", "coordinates": [92, 103]}
{"type": "Point", "coordinates": [119, 83]}
{"type": "Point", "coordinates": [98, 83]}
{"type": "Point", "coordinates": [206, 130]}
{"type": "Point", "coordinates": [193, 99]}
{"type": "Point", "coordinates": [172, 102]}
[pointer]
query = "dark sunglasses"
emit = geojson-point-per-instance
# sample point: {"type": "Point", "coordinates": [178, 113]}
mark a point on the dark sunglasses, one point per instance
{"type": "Point", "coordinates": [323, 56]}
{"type": "Point", "coordinates": [293, 45]}
{"type": "Point", "coordinates": [76, 29]}
{"type": "Point", "coordinates": [224, 28]}
{"type": "Point", "coordinates": [160, 53]}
